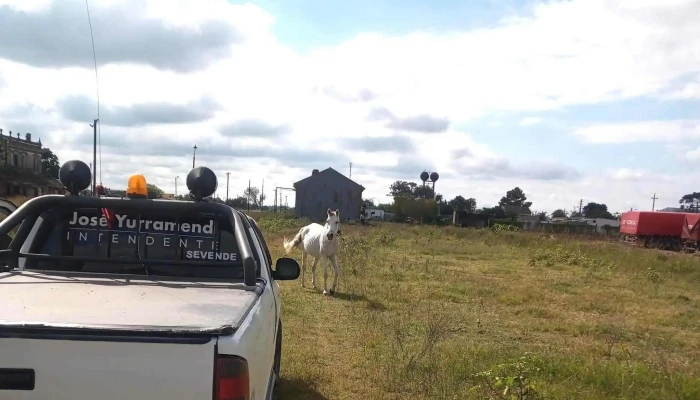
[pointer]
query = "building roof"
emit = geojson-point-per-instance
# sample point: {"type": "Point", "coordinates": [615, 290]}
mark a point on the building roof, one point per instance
{"type": "Point", "coordinates": [327, 172]}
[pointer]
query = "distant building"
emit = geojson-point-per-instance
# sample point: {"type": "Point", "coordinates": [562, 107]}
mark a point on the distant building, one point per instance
{"type": "Point", "coordinates": [328, 189]}
{"type": "Point", "coordinates": [375, 213]}
{"type": "Point", "coordinates": [21, 164]}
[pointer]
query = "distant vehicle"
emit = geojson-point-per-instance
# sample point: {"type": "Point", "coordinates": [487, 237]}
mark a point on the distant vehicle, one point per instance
{"type": "Point", "coordinates": [130, 298]}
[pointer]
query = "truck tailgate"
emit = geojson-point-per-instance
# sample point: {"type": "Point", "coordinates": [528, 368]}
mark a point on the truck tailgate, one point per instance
{"type": "Point", "coordinates": [107, 370]}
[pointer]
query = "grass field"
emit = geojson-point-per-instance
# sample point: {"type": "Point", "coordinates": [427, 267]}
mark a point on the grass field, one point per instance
{"type": "Point", "coordinates": [447, 313]}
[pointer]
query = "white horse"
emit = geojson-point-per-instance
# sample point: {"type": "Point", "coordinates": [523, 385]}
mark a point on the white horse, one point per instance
{"type": "Point", "coordinates": [319, 241]}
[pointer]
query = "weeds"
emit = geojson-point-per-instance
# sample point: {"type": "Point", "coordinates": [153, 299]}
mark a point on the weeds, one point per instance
{"type": "Point", "coordinates": [511, 381]}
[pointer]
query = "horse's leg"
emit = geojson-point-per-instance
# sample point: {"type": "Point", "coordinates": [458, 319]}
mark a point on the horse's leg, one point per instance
{"type": "Point", "coordinates": [336, 271]}
{"type": "Point", "coordinates": [313, 272]}
{"type": "Point", "coordinates": [303, 262]}
{"type": "Point", "coordinates": [325, 275]}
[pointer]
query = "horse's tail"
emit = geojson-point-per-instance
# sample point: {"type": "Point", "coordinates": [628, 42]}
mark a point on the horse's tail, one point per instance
{"type": "Point", "coordinates": [289, 245]}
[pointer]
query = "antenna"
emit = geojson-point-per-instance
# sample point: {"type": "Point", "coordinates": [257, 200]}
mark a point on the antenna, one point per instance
{"type": "Point", "coordinates": [653, 202]}
{"type": "Point", "coordinates": [350, 170]}
{"type": "Point", "coordinates": [97, 141]}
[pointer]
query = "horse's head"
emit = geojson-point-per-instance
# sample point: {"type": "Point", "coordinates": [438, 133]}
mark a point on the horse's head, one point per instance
{"type": "Point", "coordinates": [332, 224]}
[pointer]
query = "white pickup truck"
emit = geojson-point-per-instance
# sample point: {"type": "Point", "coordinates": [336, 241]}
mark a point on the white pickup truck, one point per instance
{"type": "Point", "coordinates": [127, 298]}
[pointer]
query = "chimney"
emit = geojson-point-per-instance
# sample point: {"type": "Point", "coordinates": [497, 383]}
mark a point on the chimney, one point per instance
{"type": "Point", "coordinates": [28, 136]}
{"type": "Point", "coordinates": [314, 172]}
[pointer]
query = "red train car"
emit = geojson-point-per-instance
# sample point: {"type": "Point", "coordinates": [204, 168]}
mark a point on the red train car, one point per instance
{"type": "Point", "coordinates": [691, 232]}
{"type": "Point", "coordinates": [661, 230]}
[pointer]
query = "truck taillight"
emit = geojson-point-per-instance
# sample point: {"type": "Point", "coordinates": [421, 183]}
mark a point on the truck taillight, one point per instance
{"type": "Point", "coordinates": [231, 378]}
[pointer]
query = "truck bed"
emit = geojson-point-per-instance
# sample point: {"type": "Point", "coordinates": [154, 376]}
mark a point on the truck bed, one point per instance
{"type": "Point", "coordinates": [116, 303]}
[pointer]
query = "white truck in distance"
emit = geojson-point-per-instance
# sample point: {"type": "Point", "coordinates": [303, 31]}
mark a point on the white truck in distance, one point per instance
{"type": "Point", "coordinates": [133, 311]}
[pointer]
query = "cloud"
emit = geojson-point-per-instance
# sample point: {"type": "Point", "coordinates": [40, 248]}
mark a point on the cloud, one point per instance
{"type": "Point", "coordinates": [462, 153]}
{"type": "Point", "coordinates": [420, 123]}
{"type": "Point", "coordinates": [83, 109]}
{"type": "Point", "coordinates": [693, 155]}
{"type": "Point", "coordinates": [641, 131]}
{"type": "Point", "coordinates": [59, 36]}
{"type": "Point", "coordinates": [380, 114]}
{"type": "Point", "coordinates": [687, 91]}
{"type": "Point", "coordinates": [639, 175]}
{"type": "Point", "coordinates": [498, 167]}
{"type": "Point", "coordinates": [529, 121]}
{"type": "Point", "coordinates": [253, 128]}
{"type": "Point", "coordinates": [220, 71]}
{"type": "Point", "coordinates": [373, 144]}
{"type": "Point", "coordinates": [209, 148]}
{"type": "Point", "coordinates": [363, 95]}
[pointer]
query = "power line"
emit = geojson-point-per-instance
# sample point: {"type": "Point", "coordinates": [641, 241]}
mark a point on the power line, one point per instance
{"type": "Point", "coordinates": [97, 89]}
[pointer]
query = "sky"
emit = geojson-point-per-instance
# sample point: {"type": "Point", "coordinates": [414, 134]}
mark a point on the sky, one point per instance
{"type": "Point", "coordinates": [593, 100]}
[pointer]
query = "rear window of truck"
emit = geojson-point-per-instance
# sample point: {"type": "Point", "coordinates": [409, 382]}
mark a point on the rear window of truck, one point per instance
{"type": "Point", "coordinates": [168, 245]}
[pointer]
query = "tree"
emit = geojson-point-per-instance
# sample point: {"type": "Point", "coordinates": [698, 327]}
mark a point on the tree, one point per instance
{"type": "Point", "coordinates": [368, 203]}
{"type": "Point", "coordinates": [516, 198]}
{"type": "Point", "coordinates": [425, 192]}
{"type": "Point", "coordinates": [49, 164]}
{"type": "Point", "coordinates": [252, 194]}
{"type": "Point", "coordinates": [559, 213]}
{"type": "Point", "coordinates": [691, 201]}
{"type": "Point", "coordinates": [415, 208]}
{"type": "Point", "coordinates": [154, 192]}
{"type": "Point", "coordinates": [459, 203]}
{"type": "Point", "coordinates": [402, 188]}
{"type": "Point", "coordinates": [595, 210]}
{"type": "Point", "coordinates": [497, 212]}
{"type": "Point", "coordinates": [542, 215]}
{"type": "Point", "coordinates": [238, 202]}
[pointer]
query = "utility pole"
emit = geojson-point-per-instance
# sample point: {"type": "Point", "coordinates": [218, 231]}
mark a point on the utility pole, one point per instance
{"type": "Point", "coordinates": [227, 174]}
{"type": "Point", "coordinates": [94, 155]}
{"type": "Point", "coordinates": [194, 155]}
{"type": "Point", "coordinates": [249, 195]}
{"type": "Point", "coordinates": [350, 170]}
{"type": "Point", "coordinates": [262, 195]}
{"type": "Point", "coordinates": [580, 208]}
{"type": "Point", "coordinates": [653, 202]}
{"type": "Point", "coordinates": [176, 185]}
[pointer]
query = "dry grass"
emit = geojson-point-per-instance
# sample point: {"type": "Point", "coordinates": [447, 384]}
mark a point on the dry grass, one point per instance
{"type": "Point", "coordinates": [447, 313]}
